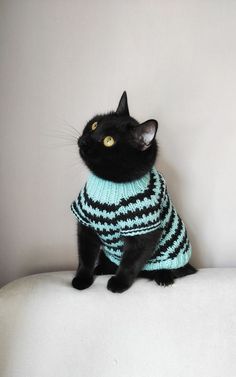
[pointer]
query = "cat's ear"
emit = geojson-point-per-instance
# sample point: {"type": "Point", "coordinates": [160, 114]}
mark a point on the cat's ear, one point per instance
{"type": "Point", "coordinates": [144, 134]}
{"type": "Point", "coordinates": [122, 108]}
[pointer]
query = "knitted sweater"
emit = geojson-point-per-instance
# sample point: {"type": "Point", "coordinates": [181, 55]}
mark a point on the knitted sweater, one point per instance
{"type": "Point", "coordinates": [116, 210]}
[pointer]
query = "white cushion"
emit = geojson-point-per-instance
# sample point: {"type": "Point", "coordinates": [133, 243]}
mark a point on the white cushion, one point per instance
{"type": "Point", "coordinates": [49, 329]}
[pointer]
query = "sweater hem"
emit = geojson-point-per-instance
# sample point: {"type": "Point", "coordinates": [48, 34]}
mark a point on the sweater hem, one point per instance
{"type": "Point", "coordinates": [168, 264]}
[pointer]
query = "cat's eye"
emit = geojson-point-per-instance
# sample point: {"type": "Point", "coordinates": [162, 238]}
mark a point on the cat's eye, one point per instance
{"type": "Point", "coordinates": [108, 141]}
{"type": "Point", "coordinates": [94, 126]}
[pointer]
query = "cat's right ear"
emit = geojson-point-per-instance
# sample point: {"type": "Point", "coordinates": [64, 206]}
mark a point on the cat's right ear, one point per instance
{"type": "Point", "coordinates": [122, 108]}
{"type": "Point", "coordinates": [144, 134]}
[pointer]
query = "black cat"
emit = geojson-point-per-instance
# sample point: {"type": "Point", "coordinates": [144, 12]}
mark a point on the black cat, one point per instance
{"type": "Point", "coordinates": [127, 226]}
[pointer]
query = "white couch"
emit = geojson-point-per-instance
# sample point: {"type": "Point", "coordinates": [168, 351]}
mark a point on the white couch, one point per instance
{"type": "Point", "coordinates": [49, 329]}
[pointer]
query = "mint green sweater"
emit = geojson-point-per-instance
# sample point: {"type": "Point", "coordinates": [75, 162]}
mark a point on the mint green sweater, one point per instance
{"type": "Point", "coordinates": [116, 210]}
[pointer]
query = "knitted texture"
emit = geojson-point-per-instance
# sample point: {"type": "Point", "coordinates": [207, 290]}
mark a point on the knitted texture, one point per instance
{"type": "Point", "coordinates": [115, 210]}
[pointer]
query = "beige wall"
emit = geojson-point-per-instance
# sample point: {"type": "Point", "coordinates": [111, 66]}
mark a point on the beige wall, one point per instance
{"type": "Point", "coordinates": [62, 61]}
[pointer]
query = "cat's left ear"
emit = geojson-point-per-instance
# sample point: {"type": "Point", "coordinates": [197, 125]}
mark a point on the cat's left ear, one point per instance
{"type": "Point", "coordinates": [122, 108]}
{"type": "Point", "coordinates": [144, 134]}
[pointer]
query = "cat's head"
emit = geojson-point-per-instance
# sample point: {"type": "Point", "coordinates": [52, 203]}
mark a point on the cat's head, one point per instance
{"type": "Point", "coordinates": [116, 147]}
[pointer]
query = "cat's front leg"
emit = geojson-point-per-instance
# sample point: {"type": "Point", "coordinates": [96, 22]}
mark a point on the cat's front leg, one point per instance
{"type": "Point", "coordinates": [137, 251]}
{"type": "Point", "coordinates": [88, 250]}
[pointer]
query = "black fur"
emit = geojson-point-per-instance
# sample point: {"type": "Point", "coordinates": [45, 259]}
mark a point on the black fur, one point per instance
{"type": "Point", "coordinates": [129, 158]}
{"type": "Point", "coordinates": [124, 161]}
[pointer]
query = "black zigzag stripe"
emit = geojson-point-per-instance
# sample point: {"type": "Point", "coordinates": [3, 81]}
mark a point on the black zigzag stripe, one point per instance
{"type": "Point", "coordinates": [87, 214]}
{"type": "Point", "coordinates": [187, 245]}
{"type": "Point", "coordinates": [145, 194]}
{"type": "Point", "coordinates": [174, 236]}
{"type": "Point", "coordinates": [135, 226]}
{"type": "Point", "coordinates": [113, 207]}
{"type": "Point", "coordinates": [112, 247]}
{"type": "Point", "coordinates": [162, 250]}
{"type": "Point", "coordinates": [104, 233]}
{"type": "Point", "coordinates": [144, 211]}
{"type": "Point", "coordinates": [90, 203]}
{"type": "Point", "coordinates": [115, 257]}
{"type": "Point", "coordinates": [169, 224]}
{"type": "Point", "coordinates": [174, 254]}
{"type": "Point", "coordinates": [166, 208]}
{"type": "Point", "coordinates": [76, 212]}
{"type": "Point", "coordinates": [120, 217]}
{"type": "Point", "coordinates": [150, 190]}
{"type": "Point", "coordinates": [95, 204]}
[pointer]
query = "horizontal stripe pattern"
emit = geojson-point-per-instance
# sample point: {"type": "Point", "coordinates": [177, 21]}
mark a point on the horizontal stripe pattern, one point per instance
{"type": "Point", "coordinates": [116, 211]}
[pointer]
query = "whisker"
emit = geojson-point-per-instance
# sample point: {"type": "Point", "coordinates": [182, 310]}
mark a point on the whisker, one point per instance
{"type": "Point", "coordinates": [60, 145]}
{"type": "Point", "coordinates": [74, 165]}
{"type": "Point", "coordinates": [78, 133]}
{"type": "Point", "coordinates": [62, 136]}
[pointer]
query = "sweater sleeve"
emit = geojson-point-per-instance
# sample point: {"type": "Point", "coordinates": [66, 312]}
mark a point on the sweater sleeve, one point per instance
{"type": "Point", "coordinates": [78, 210]}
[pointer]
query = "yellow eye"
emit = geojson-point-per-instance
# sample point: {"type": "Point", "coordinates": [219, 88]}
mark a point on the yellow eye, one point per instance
{"type": "Point", "coordinates": [108, 141]}
{"type": "Point", "coordinates": [94, 126]}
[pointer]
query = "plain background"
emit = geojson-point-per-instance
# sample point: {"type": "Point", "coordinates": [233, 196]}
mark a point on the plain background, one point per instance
{"type": "Point", "coordinates": [63, 61]}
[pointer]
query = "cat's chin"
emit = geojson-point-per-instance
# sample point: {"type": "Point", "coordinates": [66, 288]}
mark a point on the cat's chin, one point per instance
{"type": "Point", "coordinates": [119, 174]}
{"type": "Point", "coordinates": [82, 154]}
{"type": "Point", "coordinates": [120, 178]}
{"type": "Point", "coordinates": [85, 155]}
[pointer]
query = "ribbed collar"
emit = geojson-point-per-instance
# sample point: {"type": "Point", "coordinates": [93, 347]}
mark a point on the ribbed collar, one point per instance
{"type": "Point", "coordinates": [109, 192]}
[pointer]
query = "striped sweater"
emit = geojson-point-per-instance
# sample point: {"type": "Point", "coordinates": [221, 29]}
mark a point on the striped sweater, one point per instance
{"type": "Point", "coordinates": [115, 210]}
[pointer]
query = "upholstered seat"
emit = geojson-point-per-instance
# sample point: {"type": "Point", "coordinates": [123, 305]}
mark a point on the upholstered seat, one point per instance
{"type": "Point", "coordinates": [49, 329]}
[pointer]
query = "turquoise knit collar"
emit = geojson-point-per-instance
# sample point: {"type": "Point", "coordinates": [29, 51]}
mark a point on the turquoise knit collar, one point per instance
{"type": "Point", "coordinates": [109, 192]}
